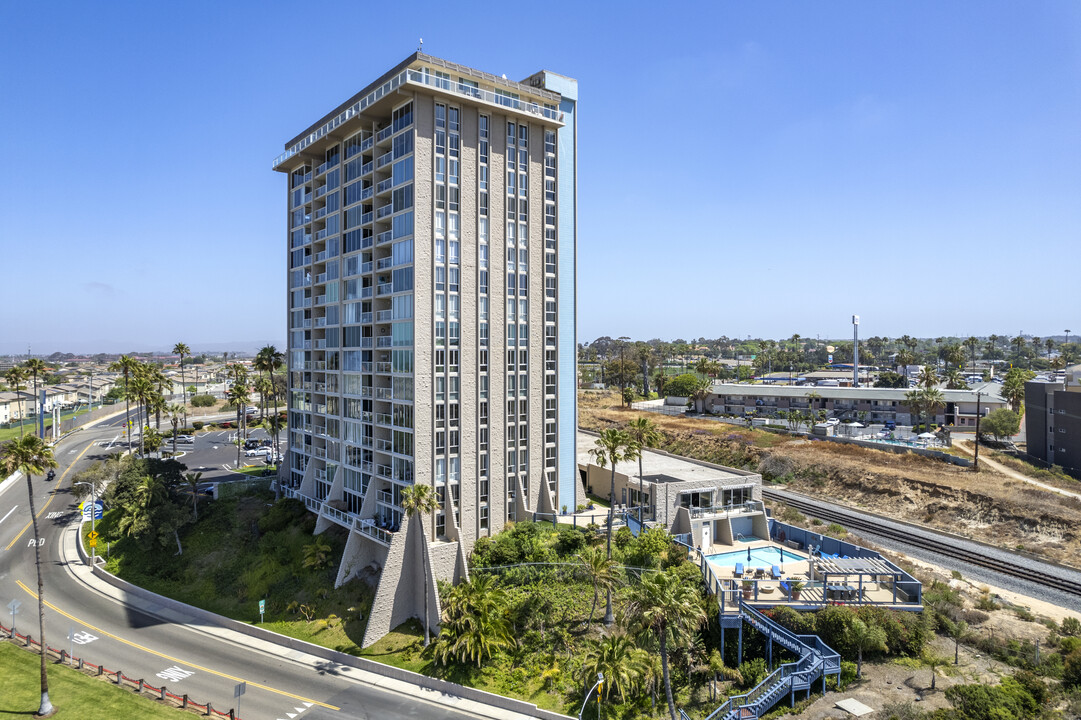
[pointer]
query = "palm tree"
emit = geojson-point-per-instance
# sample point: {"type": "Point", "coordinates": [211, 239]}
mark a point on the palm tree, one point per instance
{"type": "Point", "coordinates": [954, 380]}
{"type": "Point", "coordinates": [645, 434]}
{"type": "Point", "coordinates": [238, 395]}
{"type": "Point", "coordinates": [36, 366]}
{"type": "Point", "coordinates": [972, 343]}
{"type": "Point", "coordinates": [140, 389]}
{"type": "Point", "coordinates": [865, 636]}
{"type": "Point", "coordinates": [665, 607]}
{"type": "Point", "coordinates": [31, 455]}
{"type": "Point", "coordinates": [16, 376]}
{"type": "Point", "coordinates": [928, 378]}
{"type": "Point", "coordinates": [175, 413]}
{"type": "Point", "coordinates": [474, 622]}
{"type": "Point", "coordinates": [419, 500]}
{"type": "Point", "coordinates": [263, 386]}
{"type": "Point", "coordinates": [267, 360]}
{"type": "Point", "coordinates": [193, 482]}
{"type": "Point", "coordinates": [601, 571]}
{"type": "Point", "coordinates": [721, 671]}
{"type": "Point", "coordinates": [914, 401]}
{"type": "Point", "coordinates": [181, 349]}
{"type": "Point", "coordinates": [1050, 345]}
{"type": "Point", "coordinates": [620, 660]}
{"type": "Point", "coordinates": [611, 447]}
{"type": "Point", "coordinates": [127, 365]}
{"type": "Point", "coordinates": [933, 400]}
{"type": "Point", "coordinates": [157, 399]}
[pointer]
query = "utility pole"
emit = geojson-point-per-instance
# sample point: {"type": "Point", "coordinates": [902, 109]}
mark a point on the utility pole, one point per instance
{"type": "Point", "coordinates": [855, 351]}
{"type": "Point", "coordinates": [976, 458]}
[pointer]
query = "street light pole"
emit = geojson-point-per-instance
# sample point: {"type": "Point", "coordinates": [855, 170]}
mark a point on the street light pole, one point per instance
{"type": "Point", "coordinates": [600, 680]}
{"type": "Point", "coordinates": [976, 457]}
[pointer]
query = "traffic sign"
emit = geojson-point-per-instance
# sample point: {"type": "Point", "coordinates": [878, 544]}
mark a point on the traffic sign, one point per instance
{"type": "Point", "coordinates": [262, 606]}
{"type": "Point", "coordinates": [93, 535]}
{"type": "Point", "coordinates": [93, 543]}
{"type": "Point", "coordinates": [14, 606]}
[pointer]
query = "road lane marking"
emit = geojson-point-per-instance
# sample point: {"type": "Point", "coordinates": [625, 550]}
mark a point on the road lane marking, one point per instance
{"type": "Point", "coordinates": [9, 514]}
{"type": "Point", "coordinates": [48, 604]}
{"type": "Point", "coordinates": [52, 494]}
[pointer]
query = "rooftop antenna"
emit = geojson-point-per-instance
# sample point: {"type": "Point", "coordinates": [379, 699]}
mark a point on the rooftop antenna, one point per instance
{"type": "Point", "coordinates": [420, 45]}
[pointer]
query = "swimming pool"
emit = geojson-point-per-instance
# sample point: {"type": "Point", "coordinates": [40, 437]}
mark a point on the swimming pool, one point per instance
{"type": "Point", "coordinates": [763, 557]}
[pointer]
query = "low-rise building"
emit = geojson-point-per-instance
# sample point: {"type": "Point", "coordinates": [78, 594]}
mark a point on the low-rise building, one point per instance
{"type": "Point", "coordinates": [713, 503]}
{"type": "Point", "coordinates": [871, 405]}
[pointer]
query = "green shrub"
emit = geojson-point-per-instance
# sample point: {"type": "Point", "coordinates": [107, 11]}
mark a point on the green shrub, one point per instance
{"type": "Point", "coordinates": [1071, 671]}
{"type": "Point", "coordinates": [203, 400]}
{"type": "Point", "coordinates": [198, 425]}
{"type": "Point", "coordinates": [1071, 626]}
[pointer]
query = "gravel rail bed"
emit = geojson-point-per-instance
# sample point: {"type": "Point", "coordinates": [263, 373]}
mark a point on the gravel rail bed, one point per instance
{"type": "Point", "coordinates": [1017, 572]}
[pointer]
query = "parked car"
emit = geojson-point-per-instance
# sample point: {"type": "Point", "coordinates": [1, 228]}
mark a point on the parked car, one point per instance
{"type": "Point", "coordinates": [833, 421]}
{"type": "Point", "coordinates": [254, 452]}
{"type": "Point", "coordinates": [184, 439]}
{"type": "Point", "coordinates": [890, 425]}
{"type": "Point", "coordinates": [251, 444]}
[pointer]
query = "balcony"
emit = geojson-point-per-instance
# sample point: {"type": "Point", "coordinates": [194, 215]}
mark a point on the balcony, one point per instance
{"type": "Point", "coordinates": [320, 213]}
{"type": "Point", "coordinates": [368, 528]}
{"type": "Point", "coordinates": [321, 322]}
{"type": "Point", "coordinates": [365, 319]}
{"type": "Point", "coordinates": [366, 193]}
{"type": "Point", "coordinates": [366, 267]}
{"type": "Point", "coordinates": [366, 168]}
{"type": "Point", "coordinates": [384, 160]}
{"type": "Point", "coordinates": [384, 263]}
{"type": "Point", "coordinates": [384, 237]}
{"type": "Point", "coordinates": [366, 292]}
{"type": "Point", "coordinates": [384, 134]}
{"type": "Point", "coordinates": [321, 256]}
{"type": "Point", "coordinates": [385, 289]}
{"type": "Point", "coordinates": [384, 393]}
{"type": "Point", "coordinates": [365, 342]}
{"type": "Point", "coordinates": [384, 316]}
{"type": "Point", "coordinates": [386, 497]}
{"type": "Point", "coordinates": [384, 211]}
{"type": "Point", "coordinates": [384, 445]}
{"type": "Point", "coordinates": [384, 342]}
{"type": "Point", "coordinates": [320, 191]}
{"type": "Point", "coordinates": [319, 300]}
{"type": "Point", "coordinates": [366, 367]}
{"type": "Point", "coordinates": [366, 218]}
{"type": "Point", "coordinates": [321, 279]}
{"type": "Point", "coordinates": [382, 367]}
{"type": "Point", "coordinates": [382, 419]}
{"type": "Point", "coordinates": [384, 472]}
{"type": "Point", "coordinates": [322, 234]}
{"type": "Point", "coordinates": [384, 186]}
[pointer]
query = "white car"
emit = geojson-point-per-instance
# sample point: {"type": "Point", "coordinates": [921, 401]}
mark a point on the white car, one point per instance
{"type": "Point", "coordinates": [255, 452]}
{"type": "Point", "coordinates": [833, 421]}
{"type": "Point", "coordinates": [184, 439]}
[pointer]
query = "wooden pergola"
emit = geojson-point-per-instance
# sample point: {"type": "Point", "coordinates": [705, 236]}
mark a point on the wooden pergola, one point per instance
{"type": "Point", "coordinates": [863, 567]}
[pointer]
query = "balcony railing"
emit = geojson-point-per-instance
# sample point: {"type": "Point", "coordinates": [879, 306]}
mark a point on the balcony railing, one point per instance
{"type": "Point", "coordinates": [384, 393]}
{"type": "Point", "coordinates": [384, 237]}
{"type": "Point", "coordinates": [417, 77]}
{"type": "Point", "coordinates": [366, 267]}
{"type": "Point", "coordinates": [366, 318]}
{"type": "Point", "coordinates": [384, 263]}
{"type": "Point", "coordinates": [384, 342]}
{"type": "Point", "coordinates": [366, 193]}
{"type": "Point", "coordinates": [385, 288]}
{"type": "Point", "coordinates": [384, 159]}
{"type": "Point", "coordinates": [384, 133]}
{"type": "Point", "coordinates": [383, 316]}
{"type": "Point", "coordinates": [384, 185]}
{"type": "Point", "coordinates": [382, 367]}
{"type": "Point", "coordinates": [384, 211]}
{"type": "Point", "coordinates": [382, 419]}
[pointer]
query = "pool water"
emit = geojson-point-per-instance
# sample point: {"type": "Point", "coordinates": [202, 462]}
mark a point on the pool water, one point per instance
{"type": "Point", "coordinates": [763, 557]}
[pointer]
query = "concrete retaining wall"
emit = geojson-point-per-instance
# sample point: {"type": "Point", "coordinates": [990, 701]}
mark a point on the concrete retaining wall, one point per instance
{"type": "Point", "coordinates": [424, 681]}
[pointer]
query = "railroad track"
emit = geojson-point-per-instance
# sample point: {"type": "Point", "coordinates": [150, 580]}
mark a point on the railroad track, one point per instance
{"type": "Point", "coordinates": [942, 544]}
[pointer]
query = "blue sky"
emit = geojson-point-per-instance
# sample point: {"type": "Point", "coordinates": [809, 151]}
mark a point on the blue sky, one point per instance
{"type": "Point", "coordinates": [745, 168]}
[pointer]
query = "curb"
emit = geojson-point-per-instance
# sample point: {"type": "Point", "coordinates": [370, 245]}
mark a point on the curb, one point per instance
{"type": "Point", "coordinates": [444, 687]}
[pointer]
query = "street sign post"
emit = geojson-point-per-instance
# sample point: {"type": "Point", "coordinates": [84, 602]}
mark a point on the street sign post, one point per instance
{"type": "Point", "coordinates": [239, 690]}
{"type": "Point", "coordinates": [14, 606]}
{"type": "Point", "coordinates": [262, 608]}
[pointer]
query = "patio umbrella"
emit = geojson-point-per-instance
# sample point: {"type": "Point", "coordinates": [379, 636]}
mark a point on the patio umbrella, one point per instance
{"type": "Point", "coordinates": [927, 436]}
{"type": "Point", "coordinates": [856, 425]}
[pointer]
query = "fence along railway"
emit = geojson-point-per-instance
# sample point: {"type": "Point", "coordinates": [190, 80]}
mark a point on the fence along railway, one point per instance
{"type": "Point", "coordinates": [941, 543]}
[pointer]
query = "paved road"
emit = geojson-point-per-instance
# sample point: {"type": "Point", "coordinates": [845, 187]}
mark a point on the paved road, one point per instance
{"type": "Point", "coordinates": [150, 642]}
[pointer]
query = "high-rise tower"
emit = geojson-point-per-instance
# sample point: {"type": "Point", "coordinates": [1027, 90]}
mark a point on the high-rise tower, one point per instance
{"type": "Point", "coordinates": [431, 238]}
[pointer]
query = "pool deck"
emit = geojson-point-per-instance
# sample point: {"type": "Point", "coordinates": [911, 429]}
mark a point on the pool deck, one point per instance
{"type": "Point", "coordinates": [767, 590]}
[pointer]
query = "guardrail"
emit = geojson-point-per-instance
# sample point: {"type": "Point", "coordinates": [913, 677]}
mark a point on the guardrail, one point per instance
{"type": "Point", "coordinates": [139, 685]}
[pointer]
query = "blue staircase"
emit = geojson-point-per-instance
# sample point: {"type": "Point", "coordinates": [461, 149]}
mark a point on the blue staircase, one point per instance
{"type": "Point", "coordinates": [816, 660]}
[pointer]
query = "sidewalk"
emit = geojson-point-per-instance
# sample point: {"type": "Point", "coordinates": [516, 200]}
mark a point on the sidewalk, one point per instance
{"type": "Point", "coordinates": [963, 444]}
{"type": "Point", "coordinates": [205, 622]}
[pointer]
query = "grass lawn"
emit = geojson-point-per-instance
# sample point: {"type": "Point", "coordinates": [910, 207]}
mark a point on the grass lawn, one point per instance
{"type": "Point", "coordinates": [30, 426]}
{"type": "Point", "coordinates": [75, 694]}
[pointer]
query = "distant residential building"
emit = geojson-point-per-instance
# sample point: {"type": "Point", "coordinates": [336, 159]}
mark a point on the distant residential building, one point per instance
{"type": "Point", "coordinates": [865, 403]}
{"type": "Point", "coordinates": [1053, 420]}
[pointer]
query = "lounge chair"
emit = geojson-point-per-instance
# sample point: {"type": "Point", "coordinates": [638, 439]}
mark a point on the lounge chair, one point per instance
{"type": "Point", "coordinates": [738, 572]}
{"type": "Point", "coordinates": [775, 572]}
{"type": "Point", "coordinates": [784, 586]}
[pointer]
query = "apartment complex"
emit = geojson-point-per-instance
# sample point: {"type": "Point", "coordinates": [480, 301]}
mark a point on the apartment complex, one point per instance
{"type": "Point", "coordinates": [431, 272]}
{"type": "Point", "coordinates": [868, 404]}
{"type": "Point", "coordinates": [1053, 420]}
